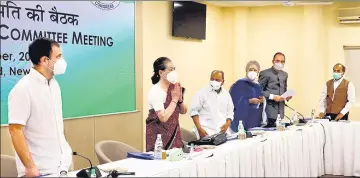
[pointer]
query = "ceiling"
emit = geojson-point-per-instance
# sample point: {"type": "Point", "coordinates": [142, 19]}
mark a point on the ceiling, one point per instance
{"type": "Point", "coordinates": [265, 3]}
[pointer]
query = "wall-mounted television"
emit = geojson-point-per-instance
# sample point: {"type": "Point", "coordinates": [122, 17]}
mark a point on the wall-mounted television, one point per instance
{"type": "Point", "coordinates": [189, 19]}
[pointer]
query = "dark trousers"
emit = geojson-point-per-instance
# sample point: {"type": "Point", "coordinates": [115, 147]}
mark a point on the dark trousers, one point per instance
{"type": "Point", "coordinates": [333, 116]}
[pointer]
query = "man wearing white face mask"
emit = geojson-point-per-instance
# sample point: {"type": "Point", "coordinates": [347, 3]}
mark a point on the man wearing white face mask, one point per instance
{"type": "Point", "coordinates": [212, 109]}
{"type": "Point", "coordinates": [338, 96]}
{"type": "Point", "coordinates": [35, 114]}
{"type": "Point", "coordinates": [273, 83]}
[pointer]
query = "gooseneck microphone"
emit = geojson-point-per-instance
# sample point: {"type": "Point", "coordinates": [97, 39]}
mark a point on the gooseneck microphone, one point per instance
{"type": "Point", "coordinates": [87, 172]}
{"type": "Point", "coordinates": [300, 120]}
{"type": "Point", "coordinates": [76, 154]}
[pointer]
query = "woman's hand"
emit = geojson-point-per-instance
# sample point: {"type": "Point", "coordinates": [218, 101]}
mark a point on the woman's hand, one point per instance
{"type": "Point", "coordinates": [261, 98]}
{"type": "Point", "coordinates": [176, 93]}
{"type": "Point", "coordinates": [254, 101]}
{"type": "Point", "coordinates": [181, 94]}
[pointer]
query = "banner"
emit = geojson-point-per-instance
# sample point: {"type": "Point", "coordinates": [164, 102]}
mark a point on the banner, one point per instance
{"type": "Point", "coordinates": [97, 39]}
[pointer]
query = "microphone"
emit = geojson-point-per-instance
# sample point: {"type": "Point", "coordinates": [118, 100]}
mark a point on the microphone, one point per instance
{"type": "Point", "coordinates": [88, 172]}
{"type": "Point", "coordinates": [300, 120]}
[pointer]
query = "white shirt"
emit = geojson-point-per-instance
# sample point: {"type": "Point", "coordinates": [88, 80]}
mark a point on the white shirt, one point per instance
{"type": "Point", "coordinates": [157, 98]}
{"type": "Point", "coordinates": [350, 93]}
{"type": "Point", "coordinates": [212, 108]}
{"type": "Point", "coordinates": [36, 103]}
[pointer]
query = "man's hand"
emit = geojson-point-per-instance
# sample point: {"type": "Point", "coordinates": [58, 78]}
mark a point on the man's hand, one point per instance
{"type": "Point", "coordinates": [32, 172]}
{"type": "Point", "coordinates": [202, 132]}
{"type": "Point", "coordinates": [288, 98]}
{"type": "Point", "coordinates": [321, 115]}
{"type": "Point", "coordinates": [278, 98]}
{"type": "Point", "coordinates": [254, 101]}
{"type": "Point", "coordinates": [339, 116]}
{"type": "Point", "coordinates": [224, 127]}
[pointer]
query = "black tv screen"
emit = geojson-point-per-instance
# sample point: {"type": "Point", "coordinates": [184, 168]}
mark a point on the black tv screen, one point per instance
{"type": "Point", "coordinates": [189, 19]}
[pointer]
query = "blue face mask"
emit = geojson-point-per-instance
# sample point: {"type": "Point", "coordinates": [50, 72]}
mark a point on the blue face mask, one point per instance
{"type": "Point", "coordinates": [337, 76]}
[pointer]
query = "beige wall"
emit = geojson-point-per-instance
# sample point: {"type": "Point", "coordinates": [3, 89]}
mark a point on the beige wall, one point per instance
{"type": "Point", "coordinates": [309, 36]}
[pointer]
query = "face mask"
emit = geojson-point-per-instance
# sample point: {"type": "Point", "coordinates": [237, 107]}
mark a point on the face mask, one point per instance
{"type": "Point", "coordinates": [278, 66]}
{"type": "Point", "coordinates": [336, 75]}
{"type": "Point", "coordinates": [252, 75]}
{"type": "Point", "coordinates": [215, 85]}
{"type": "Point", "coordinates": [59, 67]}
{"type": "Point", "coordinates": [172, 77]}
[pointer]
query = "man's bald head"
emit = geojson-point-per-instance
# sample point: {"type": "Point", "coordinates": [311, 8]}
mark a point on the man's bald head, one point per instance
{"type": "Point", "coordinates": [217, 75]}
{"type": "Point", "coordinates": [339, 68]}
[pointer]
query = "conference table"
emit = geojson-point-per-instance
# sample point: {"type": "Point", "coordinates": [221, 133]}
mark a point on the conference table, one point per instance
{"type": "Point", "coordinates": [301, 151]}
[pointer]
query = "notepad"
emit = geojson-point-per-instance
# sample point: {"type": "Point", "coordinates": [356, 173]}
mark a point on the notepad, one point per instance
{"type": "Point", "coordinates": [288, 93]}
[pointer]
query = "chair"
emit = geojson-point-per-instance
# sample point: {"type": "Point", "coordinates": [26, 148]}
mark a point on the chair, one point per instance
{"type": "Point", "coordinates": [110, 151]}
{"type": "Point", "coordinates": [8, 166]}
{"type": "Point", "coordinates": [187, 136]}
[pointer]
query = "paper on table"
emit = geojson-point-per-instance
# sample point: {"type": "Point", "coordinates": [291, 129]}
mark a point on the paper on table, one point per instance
{"type": "Point", "coordinates": [288, 93]}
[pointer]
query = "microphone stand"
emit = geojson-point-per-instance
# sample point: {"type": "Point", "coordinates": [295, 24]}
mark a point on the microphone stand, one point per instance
{"type": "Point", "coordinates": [87, 172]}
{"type": "Point", "coordinates": [300, 120]}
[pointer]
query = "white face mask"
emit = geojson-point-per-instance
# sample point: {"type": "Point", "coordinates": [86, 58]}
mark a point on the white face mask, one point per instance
{"type": "Point", "coordinates": [252, 75]}
{"type": "Point", "coordinates": [215, 85]}
{"type": "Point", "coordinates": [278, 66]}
{"type": "Point", "coordinates": [172, 77]}
{"type": "Point", "coordinates": [59, 67]}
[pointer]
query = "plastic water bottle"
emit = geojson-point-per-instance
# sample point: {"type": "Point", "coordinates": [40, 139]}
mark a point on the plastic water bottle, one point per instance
{"type": "Point", "coordinates": [312, 116]}
{"type": "Point", "coordinates": [191, 152]}
{"type": "Point", "coordinates": [295, 118]}
{"type": "Point", "coordinates": [158, 148]}
{"type": "Point", "coordinates": [279, 125]}
{"type": "Point", "coordinates": [241, 131]}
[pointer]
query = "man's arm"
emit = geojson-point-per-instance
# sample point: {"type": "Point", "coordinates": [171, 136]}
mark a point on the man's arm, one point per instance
{"type": "Point", "coordinates": [229, 115]}
{"type": "Point", "coordinates": [183, 108]}
{"type": "Point", "coordinates": [263, 82]}
{"type": "Point", "coordinates": [323, 102]}
{"type": "Point", "coordinates": [194, 112]}
{"type": "Point", "coordinates": [230, 109]}
{"type": "Point", "coordinates": [20, 145]}
{"type": "Point", "coordinates": [19, 113]}
{"type": "Point", "coordinates": [350, 98]}
{"type": "Point", "coordinates": [286, 79]}
{"type": "Point", "coordinates": [66, 157]}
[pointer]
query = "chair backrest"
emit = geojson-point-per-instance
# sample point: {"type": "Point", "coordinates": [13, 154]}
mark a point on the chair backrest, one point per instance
{"type": "Point", "coordinates": [110, 151]}
{"type": "Point", "coordinates": [8, 166]}
{"type": "Point", "coordinates": [187, 136]}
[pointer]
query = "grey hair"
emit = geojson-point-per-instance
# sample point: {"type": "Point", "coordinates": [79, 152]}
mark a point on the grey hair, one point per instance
{"type": "Point", "coordinates": [252, 63]}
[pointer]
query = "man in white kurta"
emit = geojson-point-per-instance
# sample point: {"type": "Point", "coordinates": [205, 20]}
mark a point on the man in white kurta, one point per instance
{"type": "Point", "coordinates": [35, 115]}
{"type": "Point", "coordinates": [212, 109]}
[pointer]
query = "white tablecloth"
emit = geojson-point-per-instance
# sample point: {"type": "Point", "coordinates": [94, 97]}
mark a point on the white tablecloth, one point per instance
{"type": "Point", "coordinates": [298, 152]}
{"type": "Point", "coordinates": [342, 150]}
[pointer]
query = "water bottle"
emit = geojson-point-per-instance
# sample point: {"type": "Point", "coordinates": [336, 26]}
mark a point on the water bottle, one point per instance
{"type": "Point", "coordinates": [241, 131]}
{"type": "Point", "coordinates": [312, 116]}
{"type": "Point", "coordinates": [191, 152]}
{"type": "Point", "coordinates": [278, 123]}
{"type": "Point", "coordinates": [295, 118]}
{"type": "Point", "coordinates": [158, 148]}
